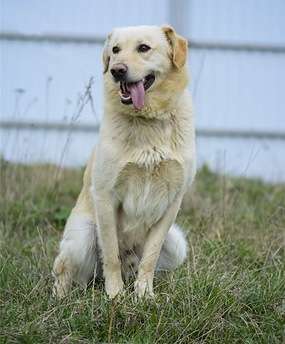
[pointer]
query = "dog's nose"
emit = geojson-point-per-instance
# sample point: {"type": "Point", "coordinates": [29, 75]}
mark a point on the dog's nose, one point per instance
{"type": "Point", "coordinates": [119, 71]}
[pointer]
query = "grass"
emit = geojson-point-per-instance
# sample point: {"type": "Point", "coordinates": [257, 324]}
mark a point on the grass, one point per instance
{"type": "Point", "coordinates": [231, 290]}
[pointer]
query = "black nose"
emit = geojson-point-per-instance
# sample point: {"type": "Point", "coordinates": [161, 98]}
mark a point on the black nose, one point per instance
{"type": "Point", "coordinates": [119, 71]}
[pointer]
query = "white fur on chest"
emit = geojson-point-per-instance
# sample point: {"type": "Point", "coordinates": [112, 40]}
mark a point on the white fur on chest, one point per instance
{"type": "Point", "coordinates": [146, 188]}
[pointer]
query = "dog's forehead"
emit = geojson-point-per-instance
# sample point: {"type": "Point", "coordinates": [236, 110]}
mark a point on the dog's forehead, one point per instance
{"type": "Point", "coordinates": [134, 34]}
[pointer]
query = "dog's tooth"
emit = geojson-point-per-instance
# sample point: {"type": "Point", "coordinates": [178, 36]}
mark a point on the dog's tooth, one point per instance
{"type": "Point", "coordinates": [126, 97]}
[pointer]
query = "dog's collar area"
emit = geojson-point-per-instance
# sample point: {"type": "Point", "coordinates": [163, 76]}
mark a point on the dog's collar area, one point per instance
{"type": "Point", "coordinates": [130, 90]}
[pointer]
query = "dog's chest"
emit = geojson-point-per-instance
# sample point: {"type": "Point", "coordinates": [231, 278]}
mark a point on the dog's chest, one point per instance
{"type": "Point", "coordinates": [145, 192]}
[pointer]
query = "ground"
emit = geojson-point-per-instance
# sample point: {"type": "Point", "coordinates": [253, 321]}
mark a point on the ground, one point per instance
{"type": "Point", "coordinates": [231, 289]}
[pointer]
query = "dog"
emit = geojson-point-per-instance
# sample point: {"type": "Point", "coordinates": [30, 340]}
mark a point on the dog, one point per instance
{"type": "Point", "coordinates": [123, 223]}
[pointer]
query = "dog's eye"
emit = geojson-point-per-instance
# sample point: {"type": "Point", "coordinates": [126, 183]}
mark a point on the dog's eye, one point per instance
{"type": "Point", "coordinates": [116, 50]}
{"type": "Point", "coordinates": [143, 48]}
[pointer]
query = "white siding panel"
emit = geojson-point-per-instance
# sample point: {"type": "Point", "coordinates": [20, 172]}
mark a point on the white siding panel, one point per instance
{"type": "Point", "coordinates": [248, 158]}
{"type": "Point", "coordinates": [258, 21]}
{"type": "Point", "coordinates": [80, 17]}
{"type": "Point", "coordinates": [29, 66]}
{"type": "Point", "coordinates": [39, 146]}
{"type": "Point", "coordinates": [239, 90]}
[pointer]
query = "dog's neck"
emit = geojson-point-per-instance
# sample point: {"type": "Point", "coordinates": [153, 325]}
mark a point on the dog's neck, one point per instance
{"type": "Point", "coordinates": [147, 141]}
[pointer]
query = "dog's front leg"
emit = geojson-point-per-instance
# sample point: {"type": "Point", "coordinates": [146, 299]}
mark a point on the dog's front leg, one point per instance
{"type": "Point", "coordinates": [107, 233]}
{"type": "Point", "coordinates": [152, 248]}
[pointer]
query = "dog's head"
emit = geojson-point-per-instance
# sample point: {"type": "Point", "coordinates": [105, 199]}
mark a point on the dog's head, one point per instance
{"type": "Point", "coordinates": [144, 67]}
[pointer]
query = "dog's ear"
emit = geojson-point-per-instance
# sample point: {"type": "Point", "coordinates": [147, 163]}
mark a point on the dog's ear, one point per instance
{"type": "Point", "coordinates": [106, 52]}
{"type": "Point", "coordinates": [179, 46]}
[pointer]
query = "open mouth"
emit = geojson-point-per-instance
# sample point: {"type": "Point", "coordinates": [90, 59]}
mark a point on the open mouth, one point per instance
{"type": "Point", "coordinates": [134, 92]}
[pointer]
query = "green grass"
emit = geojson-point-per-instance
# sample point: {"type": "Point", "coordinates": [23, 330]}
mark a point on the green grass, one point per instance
{"type": "Point", "coordinates": [231, 290]}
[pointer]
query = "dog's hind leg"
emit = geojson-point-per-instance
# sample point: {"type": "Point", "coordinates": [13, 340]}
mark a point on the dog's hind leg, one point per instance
{"type": "Point", "coordinates": [78, 258]}
{"type": "Point", "coordinates": [174, 250]}
{"type": "Point", "coordinates": [78, 254]}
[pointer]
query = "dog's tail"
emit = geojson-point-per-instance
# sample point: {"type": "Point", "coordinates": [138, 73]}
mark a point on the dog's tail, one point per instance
{"type": "Point", "coordinates": [174, 250]}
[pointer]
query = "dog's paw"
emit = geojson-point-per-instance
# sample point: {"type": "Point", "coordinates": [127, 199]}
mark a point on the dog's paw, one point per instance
{"type": "Point", "coordinates": [61, 285]}
{"type": "Point", "coordinates": [143, 289]}
{"type": "Point", "coordinates": [114, 287]}
{"type": "Point", "coordinates": [62, 274]}
{"type": "Point", "coordinates": [59, 291]}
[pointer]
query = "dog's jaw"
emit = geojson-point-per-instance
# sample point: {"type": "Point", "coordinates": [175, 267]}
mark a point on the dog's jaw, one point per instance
{"type": "Point", "coordinates": [134, 92]}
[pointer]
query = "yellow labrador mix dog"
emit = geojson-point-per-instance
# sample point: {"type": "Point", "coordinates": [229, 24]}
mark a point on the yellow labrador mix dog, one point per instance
{"type": "Point", "coordinates": [123, 221]}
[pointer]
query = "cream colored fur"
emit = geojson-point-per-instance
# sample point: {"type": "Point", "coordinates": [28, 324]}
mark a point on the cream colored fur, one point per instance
{"type": "Point", "coordinates": [123, 221]}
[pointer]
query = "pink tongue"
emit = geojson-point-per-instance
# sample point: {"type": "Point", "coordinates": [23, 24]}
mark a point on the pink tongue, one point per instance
{"type": "Point", "coordinates": [137, 94]}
